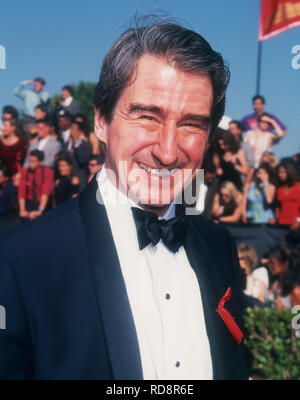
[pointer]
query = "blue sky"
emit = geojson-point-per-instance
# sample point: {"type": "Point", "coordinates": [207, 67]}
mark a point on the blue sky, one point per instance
{"type": "Point", "coordinates": [65, 41]}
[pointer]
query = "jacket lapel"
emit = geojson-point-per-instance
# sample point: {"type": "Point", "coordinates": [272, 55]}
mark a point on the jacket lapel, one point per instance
{"type": "Point", "coordinates": [212, 289]}
{"type": "Point", "coordinates": [114, 307]}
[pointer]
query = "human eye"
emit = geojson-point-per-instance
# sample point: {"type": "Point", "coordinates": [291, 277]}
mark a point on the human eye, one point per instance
{"type": "Point", "coordinates": [147, 117]}
{"type": "Point", "coordinates": [195, 126]}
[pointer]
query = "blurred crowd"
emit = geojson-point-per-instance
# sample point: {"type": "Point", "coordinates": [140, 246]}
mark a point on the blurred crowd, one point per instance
{"type": "Point", "coordinates": [50, 154]}
{"type": "Point", "coordinates": [245, 183]}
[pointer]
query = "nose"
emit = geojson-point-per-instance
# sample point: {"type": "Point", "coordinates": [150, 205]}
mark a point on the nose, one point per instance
{"type": "Point", "coordinates": [165, 150]}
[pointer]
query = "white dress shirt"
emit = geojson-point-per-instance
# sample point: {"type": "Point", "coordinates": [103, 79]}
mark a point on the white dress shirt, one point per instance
{"type": "Point", "coordinates": [42, 143]}
{"type": "Point", "coordinates": [164, 296]}
{"type": "Point", "coordinates": [65, 135]}
{"type": "Point", "coordinates": [68, 101]}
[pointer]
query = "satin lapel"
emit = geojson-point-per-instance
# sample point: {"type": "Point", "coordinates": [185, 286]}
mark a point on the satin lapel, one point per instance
{"type": "Point", "coordinates": [212, 289]}
{"type": "Point", "coordinates": [114, 307]}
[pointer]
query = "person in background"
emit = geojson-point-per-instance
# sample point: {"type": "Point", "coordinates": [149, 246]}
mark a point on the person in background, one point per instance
{"type": "Point", "coordinates": [35, 187]}
{"type": "Point", "coordinates": [250, 122]}
{"type": "Point", "coordinates": [270, 158]}
{"type": "Point", "coordinates": [212, 183]}
{"type": "Point", "coordinates": [95, 165]}
{"type": "Point", "coordinates": [53, 130]}
{"type": "Point", "coordinates": [64, 126]}
{"type": "Point", "coordinates": [236, 129]}
{"type": "Point", "coordinates": [8, 112]}
{"type": "Point", "coordinates": [284, 264]}
{"type": "Point", "coordinates": [257, 279]}
{"type": "Point", "coordinates": [45, 143]}
{"type": "Point", "coordinates": [32, 133]}
{"type": "Point", "coordinates": [66, 185]}
{"type": "Point", "coordinates": [13, 147]}
{"type": "Point", "coordinates": [79, 147]}
{"type": "Point", "coordinates": [40, 111]}
{"type": "Point", "coordinates": [288, 196]}
{"type": "Point", "coordinates": [31, 98]}
{"type": "Point", "coordinates": [261, 139]}
{"type": "Point", "coordinates": [258, 196]}
{"type": "Point", "coordinates": [233, 162]}
{"type": "Point", "coordinates": [68, 103]}
{"type": "Point", "coordinates": [227, 205]}
{"type": "Point", "coordinates": [8, 192]}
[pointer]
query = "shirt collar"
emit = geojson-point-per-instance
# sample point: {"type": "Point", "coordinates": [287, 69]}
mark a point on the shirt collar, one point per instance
{"type": "Point", "coordinates": [68, 101]}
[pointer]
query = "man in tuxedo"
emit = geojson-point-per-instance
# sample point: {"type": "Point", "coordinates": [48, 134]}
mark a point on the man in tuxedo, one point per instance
{"type": "Point", "coordinates": [121, 282]}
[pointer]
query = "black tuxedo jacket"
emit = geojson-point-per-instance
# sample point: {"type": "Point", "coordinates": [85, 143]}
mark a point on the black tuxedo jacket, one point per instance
{"type": "Point", "coordinates": [67, 310]}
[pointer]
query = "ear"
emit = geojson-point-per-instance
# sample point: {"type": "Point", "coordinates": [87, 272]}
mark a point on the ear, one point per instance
{"type": "Point", "coordinates": [100, 127]}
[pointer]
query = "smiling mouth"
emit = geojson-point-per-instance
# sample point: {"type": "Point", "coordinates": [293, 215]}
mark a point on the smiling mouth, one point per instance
{"type": "Point", "coordinates": [158, 172]}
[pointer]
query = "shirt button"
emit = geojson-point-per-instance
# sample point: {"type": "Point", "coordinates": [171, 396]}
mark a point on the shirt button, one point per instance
{"type": "Point", "coordinates": [177, 364]}
{"type": "Point", "coordinates": [168, 296]}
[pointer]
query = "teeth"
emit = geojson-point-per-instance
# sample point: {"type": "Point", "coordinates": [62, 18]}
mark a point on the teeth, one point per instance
{"type": "Point", "coordinates": [158, 172]}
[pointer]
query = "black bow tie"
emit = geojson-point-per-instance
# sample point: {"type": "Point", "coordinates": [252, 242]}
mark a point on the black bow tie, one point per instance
{"type": "Point", "coordinates": [150, 229]}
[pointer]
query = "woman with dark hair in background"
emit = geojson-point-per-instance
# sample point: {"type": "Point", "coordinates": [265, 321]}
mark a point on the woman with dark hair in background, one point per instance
{"type": "Point", "coordinates": [288, 195]}
{"type": "Point", "coordinates": [13, 148]}
{"type": "Point", "coordinates": [259, 195]}
{"type": "Point", "coordinates": [284, 264]}
{"type": "Point", "coordinates": [233, 162]}
{"type": "Point", "coordinates": [66, 185]}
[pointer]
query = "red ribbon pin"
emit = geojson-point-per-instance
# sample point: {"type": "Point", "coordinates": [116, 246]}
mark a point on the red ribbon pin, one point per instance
{"type": "Point", "coordinates": [227, 318]}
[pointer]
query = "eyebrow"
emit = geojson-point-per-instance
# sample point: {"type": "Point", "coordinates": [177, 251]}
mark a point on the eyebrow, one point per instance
{"type": "Point", "coordinates": [139, 108]}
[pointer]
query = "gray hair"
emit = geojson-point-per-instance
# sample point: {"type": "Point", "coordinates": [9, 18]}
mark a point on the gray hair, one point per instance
{"type": "Point", "coordinates": [188, 50]}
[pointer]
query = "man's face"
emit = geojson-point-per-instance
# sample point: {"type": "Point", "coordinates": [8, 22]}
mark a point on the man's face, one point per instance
{"type": "Point", "coordinates": [43, 130]}
{"type": "Point", "coordinates": [7, 116]}
{"type": "Point", "coordinates": [160, 122]}
{"type": "Point", "coordinates": [39, 114]}
{"type": "Point", "coordinates": [65, 94]}
{"type": "Point", "coordinates": [64, 123]}
{"type": "Point", "coordinates": [258, 106]}
{"type": "Point", "coordinates": [33, 162]}
{"type": "Point", "coordinates": [235, 130]}
{"type": "Point", "coordinates": [94, 166]}
{"type": "Point", "coordinates": [37, 86]}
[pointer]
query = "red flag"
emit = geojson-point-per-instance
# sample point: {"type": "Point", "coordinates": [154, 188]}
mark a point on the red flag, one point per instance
{"type": "Point", "coordinates": [277, 16]}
